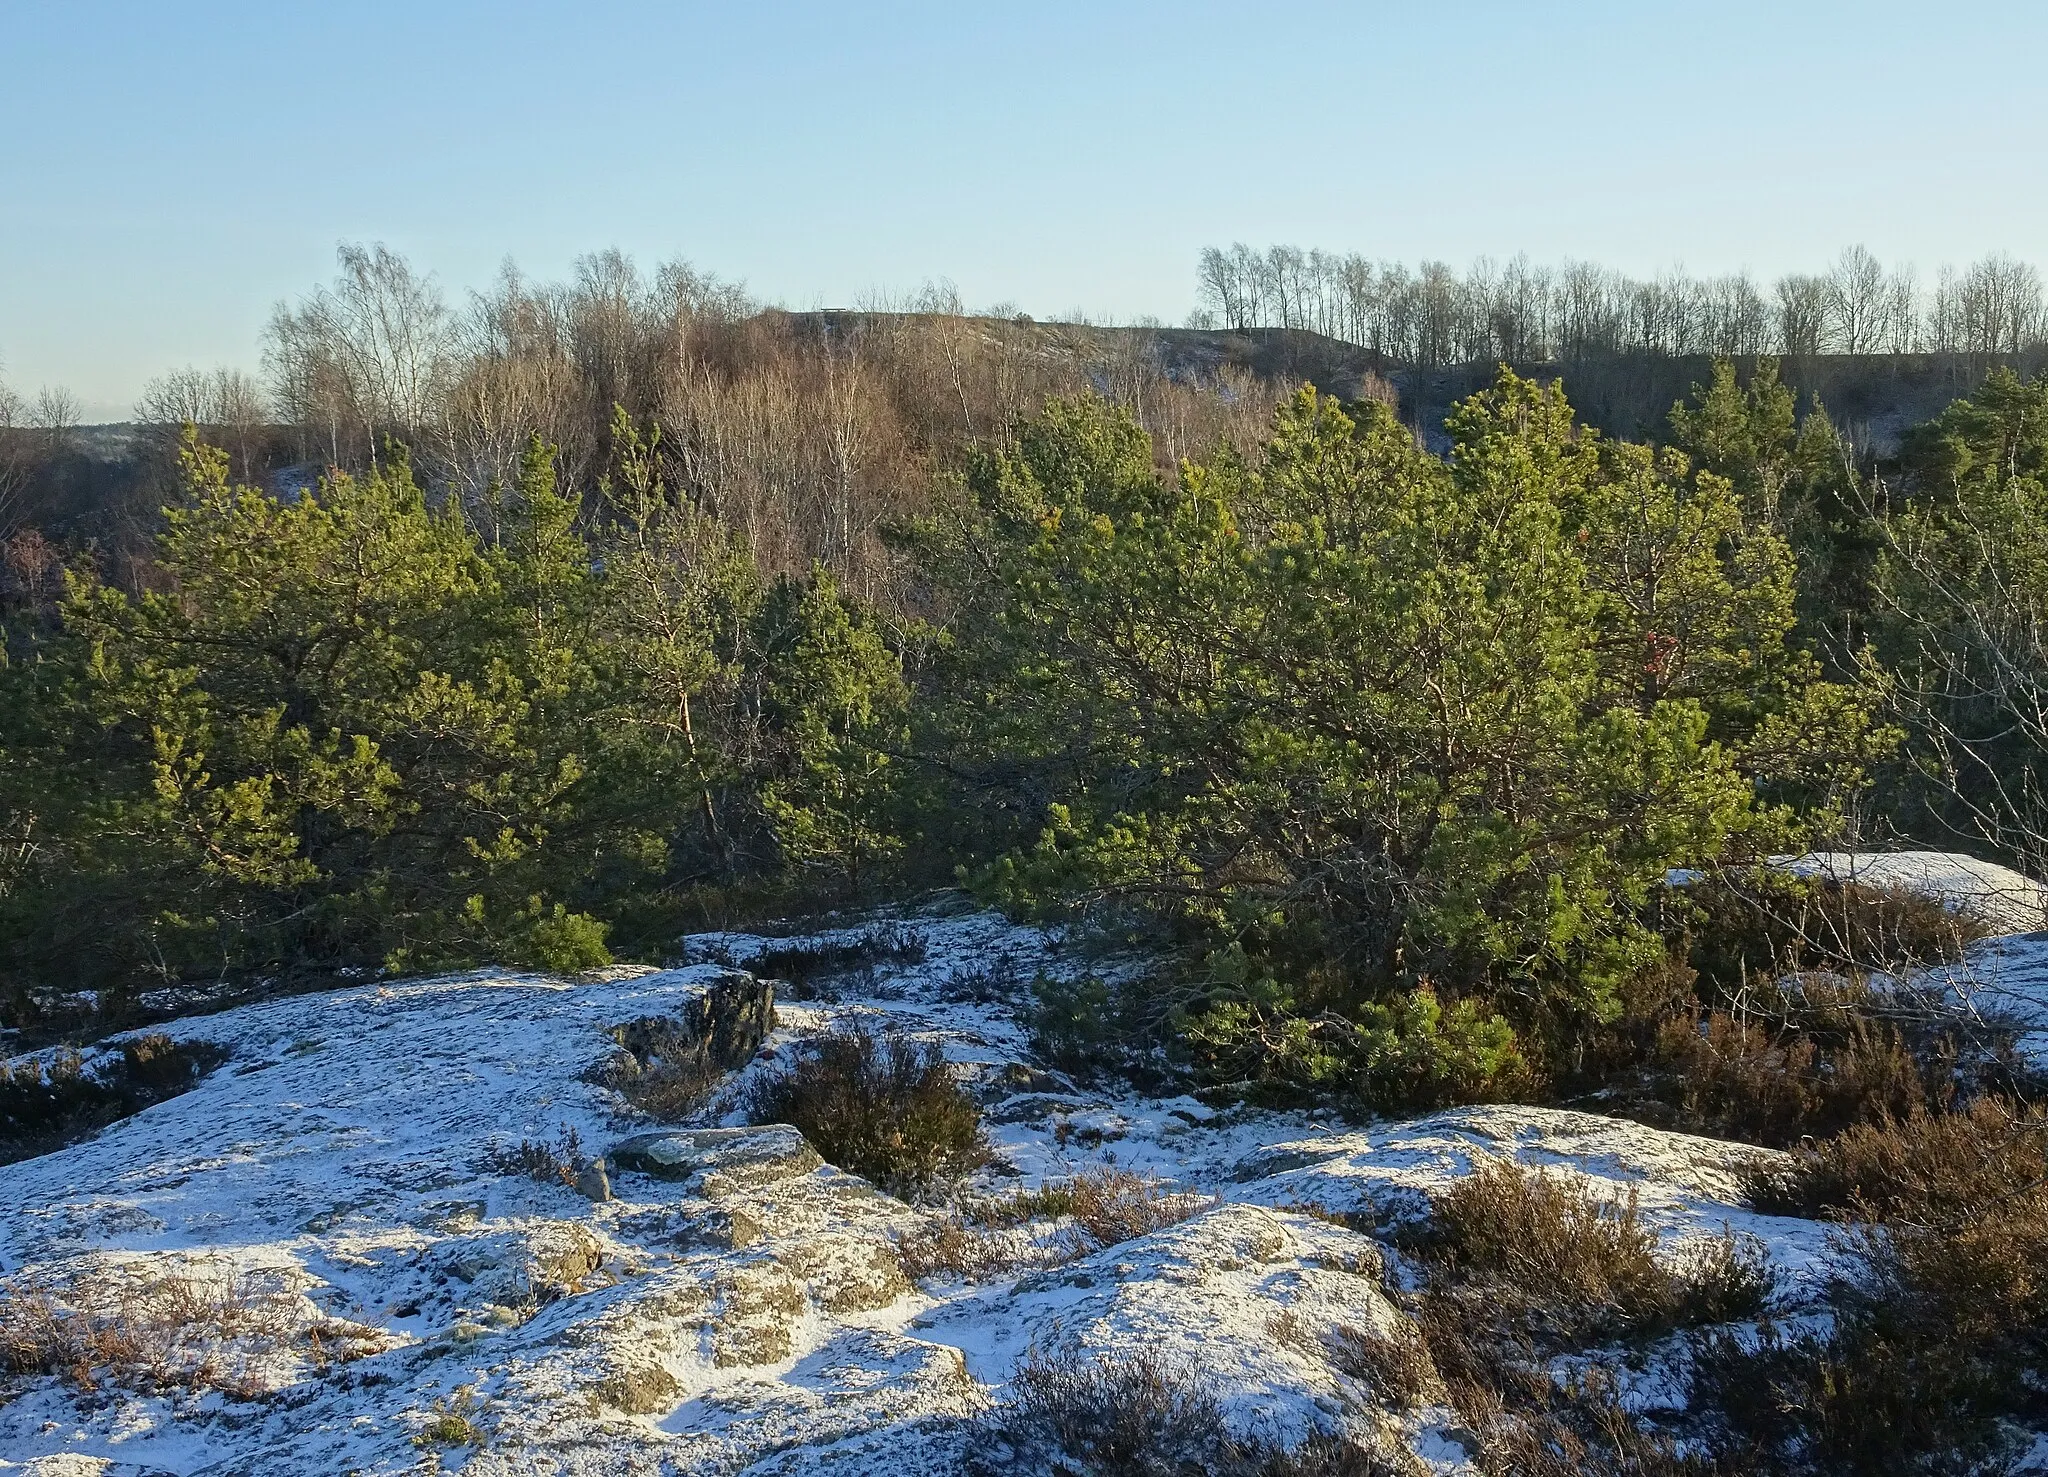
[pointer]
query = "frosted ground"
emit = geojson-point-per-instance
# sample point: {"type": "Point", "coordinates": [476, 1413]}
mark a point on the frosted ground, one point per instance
{"type": "Point", "coordinates": [341, 1181]}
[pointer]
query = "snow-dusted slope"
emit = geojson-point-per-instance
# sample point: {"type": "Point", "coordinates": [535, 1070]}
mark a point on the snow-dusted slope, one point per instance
{"type": "Point", "coordinates": [343, 1171]}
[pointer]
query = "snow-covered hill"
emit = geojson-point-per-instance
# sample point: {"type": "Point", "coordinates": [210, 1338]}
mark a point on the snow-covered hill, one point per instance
{"type": "Point", "coordinates": [377, 1287]}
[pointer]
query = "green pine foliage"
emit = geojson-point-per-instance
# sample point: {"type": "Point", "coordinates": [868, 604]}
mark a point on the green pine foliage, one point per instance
{"type": "Point", "coordinates": [1391, 751]}
{"type": "Point", "coordinates": [1795, 475]}
{"type": "Point", "coordinates": [833, 692]}
{"type": "Point", "coordinates": [360, 729]}
{"type": "Point", "coordinates": [1401, 746]}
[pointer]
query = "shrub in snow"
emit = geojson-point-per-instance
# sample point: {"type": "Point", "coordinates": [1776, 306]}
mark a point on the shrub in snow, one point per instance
{"type": "Point", "coordinates": [887, 1109]}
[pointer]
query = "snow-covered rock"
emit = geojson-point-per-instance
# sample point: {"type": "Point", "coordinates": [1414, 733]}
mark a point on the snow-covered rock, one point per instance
{"type": "Point", "coordinates": [737, 1305]}
{"type": "Point", "coordinates": [2007, 901]}
{"type": "Point", "coordinates": [2001, 979]}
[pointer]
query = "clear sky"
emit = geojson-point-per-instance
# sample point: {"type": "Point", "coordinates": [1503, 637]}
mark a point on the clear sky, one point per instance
{"type": "Point", "coordinates": [170, 169]}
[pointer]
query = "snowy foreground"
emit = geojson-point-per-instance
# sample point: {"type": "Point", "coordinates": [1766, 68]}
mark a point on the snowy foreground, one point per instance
{"type": "Point", "coordinates": [343, 1177]}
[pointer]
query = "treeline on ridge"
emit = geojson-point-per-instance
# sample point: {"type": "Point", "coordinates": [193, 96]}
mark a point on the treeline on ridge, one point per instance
{"type": "Point", "coordinates": [1522, 312]}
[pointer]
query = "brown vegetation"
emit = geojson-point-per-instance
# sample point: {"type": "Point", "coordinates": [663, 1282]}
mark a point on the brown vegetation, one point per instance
{"type": "Point", "coordinates": [886, 1108]}
{"type": "Point", "coordinates": [1781, 1014]}
{"type": "Point", "coordinates": [1774, 1084]}
{"type": "Point", "coordinates": [1940, 1334]}
{"type": "Point", "coordinates": [1535, 1258]}
{"type": "Point", "coordinates": [1093, 1209]}
{"type": "Point", "coordinates": [1395, 1366]}
{"type": "Point", "coordinates": [1925, 1169]}
{"type": "Point", "coordinates": [1519, 1268]}
{"type": "Point", "coordinates": [807, 433]}
{"type": "Point", "coordinates": [165, 1331]}
{"type": "Point", "coordinates": [556, 1163]}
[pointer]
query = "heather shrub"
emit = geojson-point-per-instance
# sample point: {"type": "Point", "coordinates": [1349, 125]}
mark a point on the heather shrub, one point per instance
{"type": "Point", "coordinates": [1773, 1083]}
{"type": "Point", "coordinates": [1535, 1258]}
{"type": "Point", "coordinates": [886, 1108]}
{"type": "Point", "coordinates": [1938, 1344]}
{"type": "Point", "coordinates": [1396, 1367]}
{"type": "Point", "coordinates": [1919, 1167]}
{"type": "Point", "coordinates": [549, 1162]}
{"type": "Point", "coordinates": [1091, 1210]}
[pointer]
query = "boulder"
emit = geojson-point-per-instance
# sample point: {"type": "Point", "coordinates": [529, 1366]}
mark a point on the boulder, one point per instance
{"type": "Point", "coordinates": [723, 1161]}
{"type": "Point", "coordinates": [592, 1183]}
{"type": "Point", "coordinates": [717, 1031]}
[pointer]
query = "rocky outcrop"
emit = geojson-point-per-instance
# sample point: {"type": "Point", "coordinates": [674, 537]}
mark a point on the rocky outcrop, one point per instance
{"type": "Point", "coordinates": [719, 1030]}
{"type": "Point", "coordinates": [719, 1161]}
{"type": "Point", "coordinates": [735, 1305]}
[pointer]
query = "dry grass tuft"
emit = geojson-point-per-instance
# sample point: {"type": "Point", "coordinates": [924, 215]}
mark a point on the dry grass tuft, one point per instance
{"type": "Point", "coordinates": [1396, 1367]}
{"type": "Point", "coordinates": [455, 1421]}
{"type": "Point", "coordinates": [556, 1163]}
{"type": "Point", "coordinates": [159, 1332]}
{"type": "Point", "coordinates": [1110, 1206]}
{"type": "Point", "coordinates": [1529, 1424]}
{"type": "Point", "coordinates": [950, 1247]}
{"type": "Point", "coordinates": [1047, 1227]}
{"type": "Point", "coordinates": [1534, 1257]}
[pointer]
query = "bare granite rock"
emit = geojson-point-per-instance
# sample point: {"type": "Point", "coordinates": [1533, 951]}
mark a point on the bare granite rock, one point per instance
{"type": "Point", "coordinates": [721, 1161]}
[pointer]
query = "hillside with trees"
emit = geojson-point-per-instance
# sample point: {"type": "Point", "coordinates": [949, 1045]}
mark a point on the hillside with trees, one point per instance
{"type": "Point", "coordinates": [1451, 690]}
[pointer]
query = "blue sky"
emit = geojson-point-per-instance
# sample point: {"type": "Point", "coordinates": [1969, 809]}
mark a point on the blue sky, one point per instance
{"type": "Point", "coordinates": [170, 170]}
